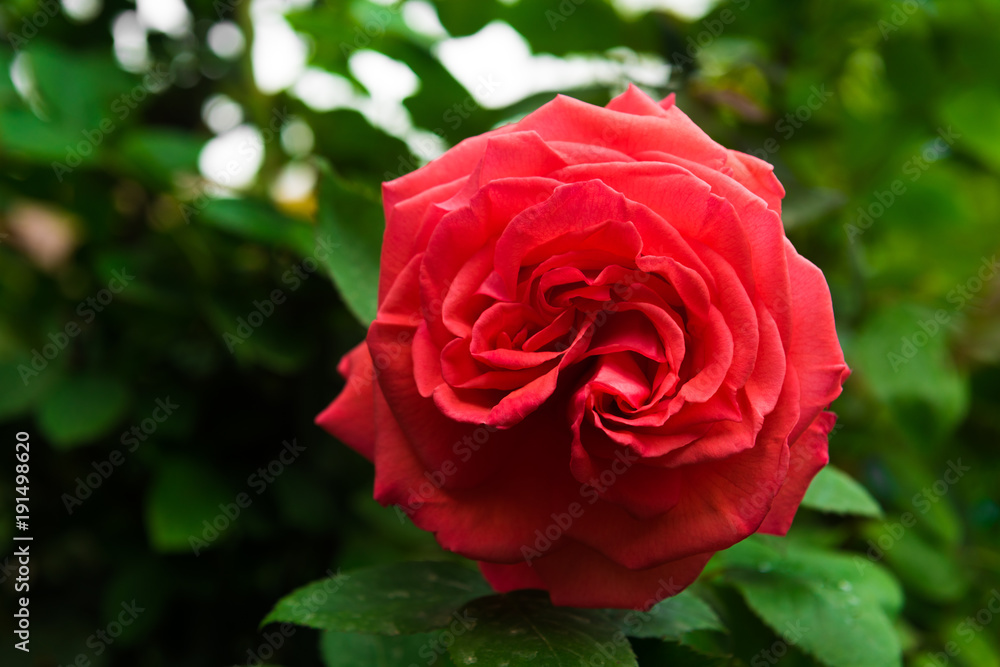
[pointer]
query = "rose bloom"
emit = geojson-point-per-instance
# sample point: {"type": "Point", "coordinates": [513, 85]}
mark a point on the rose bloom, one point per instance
{"type": "Point", "coordinates": [597, 359]}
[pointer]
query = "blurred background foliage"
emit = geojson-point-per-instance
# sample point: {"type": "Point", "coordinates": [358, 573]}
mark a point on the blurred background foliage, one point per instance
{"type": "Point", "coordinates": [169, 149]}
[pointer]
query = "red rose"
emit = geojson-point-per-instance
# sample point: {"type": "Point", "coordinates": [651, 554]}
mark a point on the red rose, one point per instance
{"type": "Point", "coordinates": [597, 359]}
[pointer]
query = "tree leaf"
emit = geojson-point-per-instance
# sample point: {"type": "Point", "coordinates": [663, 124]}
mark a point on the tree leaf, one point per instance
{"type": "Point", "coordinates": [923, 387]}
{"type": "Point", "coordinates": [672, 618]}
{"type": "Point", "coordinates": [352, 650]}
{"type": "Point", "coordinates": [182, 508]}
{"type": "Point", "coordinates": [81, 409]}
{"type": "Point", "coordinates": [523, 626]}
{"type": "Point", "coordinates": [80, 95]}
{"type": "Point", "coordinates": [402, 598]}
{"type": "Point", "coordinates": [925, 569]}
{"type": "Point", "coordinates": [157, 154]}
{"type": "Point", "coordinates": [973, 111]}
{"type": "Point", "coordinates": [258, 221]}
{"type": "Point", "coordinates": [350, 228]}
{"type": "Point", "coordinates": [834, 491]}
{"type": "Point", "coordinates": [834, 606]}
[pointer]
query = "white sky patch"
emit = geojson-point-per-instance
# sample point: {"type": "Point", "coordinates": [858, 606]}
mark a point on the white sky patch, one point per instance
{"type": "Point", "coordinates": [421, 17]}
{"type": "Point", "coordinates": [82, 11]}
{"type": "Point", "coordinates": [294, 183]}
{"type": "Point", "coordinates": [496, 82]}
{"type": "Point", "coordinates": [278, 54]}
{"type": "Point", "coordinates": [166, 16]}
{"type": "Point", "coordinates": [324, 91]}
{"type": "Point", "coordinates": [425, 145]}
{"type": "Point", "coordinates": [384, 78]}
{"type": "Point", "coordinates": [233, 159]}
{"type": "Point", "coordinates": [297, 138]}
{"type": "Point", "coordinates": [392, 117]}
{"type": "Point", "coordinates": [131, 46]}
{"type": "Point", "coordinates": [688, 9]}
{"type": "Point", "coordinates": [226, 40]}
{"type": "Point", "coordinates": [22, 76]}
{"type": "Point", "coordinates": [221, 113]}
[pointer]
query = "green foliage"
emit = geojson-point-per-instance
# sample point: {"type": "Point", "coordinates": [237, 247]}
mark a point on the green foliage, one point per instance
{"type": "Point", "coordinates": [258, 222]}
{"type": "Point", "coordinates": [351, 650]}
{"type": "Point", "coordinates": [404, 598]}
{"type": "Point", "coordinates": [524, 626]}
{"type": "Point", "coordinates": [81, 409]}
{"type": "Point", "coordinates": [673, 618]}
{"type": "Point", "coordinates": [350, 226]}
{"type": "Point", "coordinates": [834, 491]}
{"type": "Point", "coordinates": [183, 507]}
{"type": "Point", "coordinates": [837, 607]}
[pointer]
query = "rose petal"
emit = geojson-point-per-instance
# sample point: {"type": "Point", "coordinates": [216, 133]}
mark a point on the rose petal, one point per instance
{"type": "Point", "coordinates": [351, 416]}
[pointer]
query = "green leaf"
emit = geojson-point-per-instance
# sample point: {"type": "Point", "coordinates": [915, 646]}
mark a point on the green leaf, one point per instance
{"type": "Point", "coordinates": [926, 570]}
{"type": "Point", "coordinates": [156, 155]}
{"type": "Point", "coordinates": [836, 607]}
{"type": "Point", "coordinates": [182, 508]}
{"type": "Point", "coordinates": [359, 151]}
{"type": "Point", "coordinates": [81, 409]}
{"type": "Point", "coordinates": [974, 114]}
{"type": "Point", "coordinates": [351, 650]}
{"type": "Point", "coordinates": [350, 227]}
{"type": "Point", "coordinates": [803, 206]}
{"type": "Point", "coordinates": [259, 221]}
{"type": "Point", "coordinates": [402, 598]}
{"type": "Point", "coordinates": [21, 386]}
{"type": "Point", "coordinates": [672, 618]}
{"type": "Point", "coordinates": [523, 626]}
{"type": "Point", "coordinates": [834, 491]}
{"type": "Point", "coordinates": [926, 392]}
{"type": "Point", "coordinates": [80, 95]}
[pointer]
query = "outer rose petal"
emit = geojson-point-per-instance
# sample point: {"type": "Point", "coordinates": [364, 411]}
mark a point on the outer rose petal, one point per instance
{"type": "Point", "coordinates": [808, 456]}
{"type": "Point", "coordinates": [577, 576]}
{"type": "Point", "coordinates": [815, 351]}
{"type": "Point", "coordinates": [351, 417]}
{"type": "Point", "coordinates": [492, 520]}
